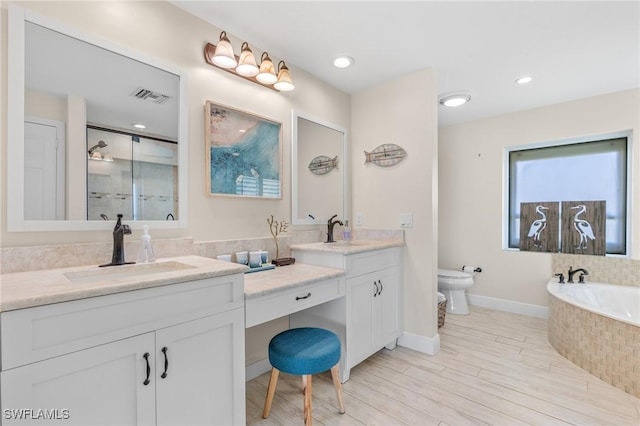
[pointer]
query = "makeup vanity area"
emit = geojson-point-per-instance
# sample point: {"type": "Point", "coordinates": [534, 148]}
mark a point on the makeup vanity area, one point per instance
{"type": "Point", "coordinates": [163, 343]}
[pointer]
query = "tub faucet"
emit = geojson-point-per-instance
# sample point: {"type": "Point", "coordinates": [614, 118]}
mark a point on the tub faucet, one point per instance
{"type": "Point", "coordinates": [572, 272]}
{"type": "Point", "coordinates": [119, 231]}
{"type": "Point", "coordinates": [330, 224]}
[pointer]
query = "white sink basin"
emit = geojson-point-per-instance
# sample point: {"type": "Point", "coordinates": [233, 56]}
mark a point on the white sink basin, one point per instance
{"type": "Point", "coordinates": [124, 271]}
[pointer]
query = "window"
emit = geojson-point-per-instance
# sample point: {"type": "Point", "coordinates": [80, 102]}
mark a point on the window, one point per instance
{"type": "Point", "coordinates": [585, 170]}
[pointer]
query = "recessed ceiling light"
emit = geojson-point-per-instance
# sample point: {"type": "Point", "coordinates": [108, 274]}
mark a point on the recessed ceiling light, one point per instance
{"type": "Point", "coordinates": [524, 79]}
{"type": "Point", "coordinates": [343, 61]}
{"type": "Point", "coordinates": [139, 126]}
{"type": "Point", "coordinates": [455, 100]}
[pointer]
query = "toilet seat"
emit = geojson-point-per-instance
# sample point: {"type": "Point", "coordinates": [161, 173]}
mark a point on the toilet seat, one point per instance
{"type": "Point", "coordinates": [451, 277]}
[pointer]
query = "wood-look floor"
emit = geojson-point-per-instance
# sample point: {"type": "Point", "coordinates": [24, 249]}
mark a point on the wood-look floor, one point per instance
{"type": "Point", "coordinates": [493, 368]}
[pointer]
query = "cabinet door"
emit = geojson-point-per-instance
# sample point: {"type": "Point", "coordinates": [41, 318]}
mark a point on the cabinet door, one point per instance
{"type": "Point", "coordinates": [96, 386]}
{"type": "Point", "coordinates": [204, 381]}
{"type": "Point", "coordinates": [360, 295]}
{"type": "Point", "coordinates": [386, 314]}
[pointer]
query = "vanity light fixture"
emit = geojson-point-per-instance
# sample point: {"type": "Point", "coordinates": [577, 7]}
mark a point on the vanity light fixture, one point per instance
{"type": "Point", "coordinates": [284, 82]}
{"type": "Point", "coordinates": [245, 66]}
{"type": "Point", "coordinates": [267, 74]}
{"type": "Point", "coordinates": [524, 79]}
{"type": "Point", "coordinates": [223, 56]}
{"type": "Point", "coordinates": [455, 100]}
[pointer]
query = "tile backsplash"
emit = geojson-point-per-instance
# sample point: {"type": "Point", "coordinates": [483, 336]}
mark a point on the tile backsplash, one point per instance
{"type": "Point", "coordinates": [604, 269]}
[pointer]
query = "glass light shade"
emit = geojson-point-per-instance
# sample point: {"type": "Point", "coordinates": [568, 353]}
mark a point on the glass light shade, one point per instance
{"type": "Point", "coordinates": [247, 64]}
{"type": "Point", "coordinates": [284, 82]}
{"type": "Point", "coordinates": [224, 56]}
{"type": "Point", "coordinates": [96, 156]}
{"type": "Point", "coordinates": [267, 73]}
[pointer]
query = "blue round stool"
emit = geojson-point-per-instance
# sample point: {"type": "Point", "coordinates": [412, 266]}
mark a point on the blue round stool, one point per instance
{"type": "Point", "coordinates": [303, 352]}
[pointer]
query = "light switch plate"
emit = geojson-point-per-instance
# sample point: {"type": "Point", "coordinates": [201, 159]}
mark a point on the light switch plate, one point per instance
{"type": "Point", "coordinates": [406, 220]}
{"type": "Point", "coordinates": [359, 219]}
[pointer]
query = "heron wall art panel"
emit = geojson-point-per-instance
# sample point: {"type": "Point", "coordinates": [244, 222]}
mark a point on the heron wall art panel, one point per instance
{"type": "Point", "coordinates": [583, 227]}
{"type": "Point", "coordinates": [539, 226]}
{"type": "Point", "coordinates": [243, 153]}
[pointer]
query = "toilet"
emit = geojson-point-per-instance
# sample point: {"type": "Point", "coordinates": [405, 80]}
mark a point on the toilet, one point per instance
{"type": "Point", "coordinates": [453, 284]}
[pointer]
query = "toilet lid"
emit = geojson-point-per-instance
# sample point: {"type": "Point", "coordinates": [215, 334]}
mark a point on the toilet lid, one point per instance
{"type": "Point", "coordinates": [449, 273]}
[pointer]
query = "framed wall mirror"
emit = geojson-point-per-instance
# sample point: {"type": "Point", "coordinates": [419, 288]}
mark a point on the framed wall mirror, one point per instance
{"type": "Point", "coordinates": [319, 170]}
{"type": "Point", "coordinates": [94, 130]}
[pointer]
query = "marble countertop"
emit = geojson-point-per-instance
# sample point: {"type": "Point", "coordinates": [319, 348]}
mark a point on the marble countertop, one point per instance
{"type": "Point", "coordinates": [285, 277]}
{"type": "Point", "coordinates": [352, 247]}
{"type": "Point", "coordinates": [35, 288]}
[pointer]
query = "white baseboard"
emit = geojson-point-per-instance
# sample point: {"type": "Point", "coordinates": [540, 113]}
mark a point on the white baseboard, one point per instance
{"type": "Point", "coordinates": [256, 369]}
{"type": "Point", "coordinates": [508, 306]}
{"type": "Point", "coordinates": [426, 345]}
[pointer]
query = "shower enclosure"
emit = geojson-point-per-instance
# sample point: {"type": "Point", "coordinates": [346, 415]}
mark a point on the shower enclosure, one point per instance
{"type": "Point", "coordinates": [130, 174]}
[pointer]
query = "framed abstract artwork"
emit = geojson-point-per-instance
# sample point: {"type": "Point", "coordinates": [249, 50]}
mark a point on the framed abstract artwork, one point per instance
{"type": "Point", "coordinates": [243, 153]}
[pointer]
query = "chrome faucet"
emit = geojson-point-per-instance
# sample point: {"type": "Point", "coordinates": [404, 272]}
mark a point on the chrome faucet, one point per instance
{"type": "Point", "coordinates": [119, 231]}
{"type": "Point", "coordinates": [572, 272]}
{"type": "Point", "coordinates": [330, 224]}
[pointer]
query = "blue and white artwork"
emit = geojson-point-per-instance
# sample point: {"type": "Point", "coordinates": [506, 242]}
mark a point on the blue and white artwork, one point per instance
{"type": "Point", "coordinates": [243, 152]}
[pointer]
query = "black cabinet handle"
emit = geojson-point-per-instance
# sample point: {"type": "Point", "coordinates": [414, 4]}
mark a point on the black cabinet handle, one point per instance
{"type": "Point", "coordinates": [375, 292]}
{"type": "Point", "coordinates": [303, 297]}
{"type": "Point", "coordinates": [166, 363]}
{"type": "Point", "coordinates": [381, 287]}
{"type": "Point", "coordinates": [146, 358]}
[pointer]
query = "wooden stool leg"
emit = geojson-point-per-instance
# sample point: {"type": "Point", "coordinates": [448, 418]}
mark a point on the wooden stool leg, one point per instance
{"type": "Point", "coordinates": [273, 381]}
{"type": "Point", "coordinates": [338, 386]}
{"type": "Point", "coordinates": [308, 416]}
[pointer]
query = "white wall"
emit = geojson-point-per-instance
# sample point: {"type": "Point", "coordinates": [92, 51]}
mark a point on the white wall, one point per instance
{"type": "Point", "coordinates": [168, 34]}
{"type": "Point", "coordinates": [402, 111]}
{"type": "Point", "coordinates": [471, 188]}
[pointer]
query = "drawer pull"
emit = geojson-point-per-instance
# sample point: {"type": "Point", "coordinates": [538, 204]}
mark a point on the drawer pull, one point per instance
{"type": "Point", "coordinates": [146, 358]}
{"type": "Point", "coordinates": [303, 297]}
{"type": "Point", "coordinates": [166, 363]}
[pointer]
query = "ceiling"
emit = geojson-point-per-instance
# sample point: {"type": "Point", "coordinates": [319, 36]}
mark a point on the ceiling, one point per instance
{"type": "Point", "coordinates": [572, 49]}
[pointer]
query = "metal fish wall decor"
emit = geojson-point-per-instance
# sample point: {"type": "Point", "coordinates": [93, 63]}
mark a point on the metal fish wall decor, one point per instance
{"type": "Point", "coordinates": [385, 155]}
{"type": "Point", "coordinates": [321, 165]}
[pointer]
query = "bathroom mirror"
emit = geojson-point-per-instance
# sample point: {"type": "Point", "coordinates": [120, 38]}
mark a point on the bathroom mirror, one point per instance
{"type": "Point", "coordinates": [61, 84]}
{"type": "Point", "coordinates": [318, 170]}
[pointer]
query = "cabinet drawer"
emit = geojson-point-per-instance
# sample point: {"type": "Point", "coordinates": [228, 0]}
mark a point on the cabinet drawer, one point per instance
{"type": "Point", "coordinates": [42, 332]}
{"type": "Point", "coordinates": [364, 263]}
{"type": "Point", "coordinates": [262, 309]}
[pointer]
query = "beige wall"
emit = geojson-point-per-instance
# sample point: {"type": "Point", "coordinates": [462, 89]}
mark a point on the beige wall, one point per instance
{"type": "Point", "coordinates": [471, 188]}
{"type": "Point", "coordinates": [161, 31]}
{"type": "Point", "coordinates": [402, 111]}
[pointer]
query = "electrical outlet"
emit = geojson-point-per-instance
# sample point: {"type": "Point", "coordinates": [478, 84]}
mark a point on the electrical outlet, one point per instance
{"type": "Point", "coordinates": [359, 219]}
{"type": "Point", "coordinates": [406, 220]}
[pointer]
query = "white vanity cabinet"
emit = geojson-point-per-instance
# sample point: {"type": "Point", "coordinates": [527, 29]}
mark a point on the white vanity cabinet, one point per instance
{"type": "Point", "coordinates": [369, 317]}
{"type": "Point", "coordinates": [169, 355]}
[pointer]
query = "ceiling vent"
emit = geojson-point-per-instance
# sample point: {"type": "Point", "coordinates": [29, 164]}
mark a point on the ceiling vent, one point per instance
{"type": "Point", "coordinates": [149, 95]}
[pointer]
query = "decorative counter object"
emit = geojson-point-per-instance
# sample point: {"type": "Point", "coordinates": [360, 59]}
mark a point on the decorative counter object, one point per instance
{"type": "Point", "coordinates": [385, 155]}
{"type": "Point", "coordinates": [283, 261]}
{"type": "Point", "coordinates": [276, 228]}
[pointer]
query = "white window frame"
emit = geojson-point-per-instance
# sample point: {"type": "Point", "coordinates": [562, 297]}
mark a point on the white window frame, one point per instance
{"type": "Point", "coordinates": [570, 141]}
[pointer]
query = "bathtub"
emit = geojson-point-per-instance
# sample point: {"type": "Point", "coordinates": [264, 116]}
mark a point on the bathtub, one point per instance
{"type": "Point", "coordinates": [618, 302]}
{"type": "Point", "coordinates": [597, 327]}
